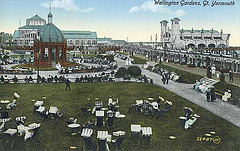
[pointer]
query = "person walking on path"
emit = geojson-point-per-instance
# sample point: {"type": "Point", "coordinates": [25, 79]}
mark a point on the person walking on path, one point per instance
{"type": "Point", "coordinates": [167, 77]}
{"type": "Point", "coordinates": [213, 95]}
{"type": "Point", "coordinates": [163, 78]}
{"type": "Point", "coordinates": [230, 76]}
{"type": "Point", "coordinates": [151, 81]}
{"type": "Point", "coordinates": [67, 84]}
{"type": "Point", "coordinates": [208, 94]}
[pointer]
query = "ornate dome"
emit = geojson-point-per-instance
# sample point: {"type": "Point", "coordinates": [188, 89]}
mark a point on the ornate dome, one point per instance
{"type": "Point", "coordinates": [50, 33]}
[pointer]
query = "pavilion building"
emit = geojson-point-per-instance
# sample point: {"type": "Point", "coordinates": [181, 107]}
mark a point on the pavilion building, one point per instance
{"type": "Point", "coordinates": [50, 49]}
{"type": "Point", "coordinates": [176, 38]}
{"type": "Point", "coordinates": [25, 35]}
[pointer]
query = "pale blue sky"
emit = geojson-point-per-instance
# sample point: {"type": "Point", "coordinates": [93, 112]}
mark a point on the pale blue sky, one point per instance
{"type": "Point", "coordinates": [119, 19]}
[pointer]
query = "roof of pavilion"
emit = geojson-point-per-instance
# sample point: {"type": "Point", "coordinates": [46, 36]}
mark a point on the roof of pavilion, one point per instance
{"type": "Point", "coordinates": [16, 34]}
{"type": "Point", "coordinates": [69, 34]}
{"type": "Point", "coordinates": [36, 17]}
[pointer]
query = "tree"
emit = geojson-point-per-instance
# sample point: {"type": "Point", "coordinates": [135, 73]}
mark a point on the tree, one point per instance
{"type": "Point", "coordinates": [121, 72]}
{"type": "Point", "coordinates": [134, 71]}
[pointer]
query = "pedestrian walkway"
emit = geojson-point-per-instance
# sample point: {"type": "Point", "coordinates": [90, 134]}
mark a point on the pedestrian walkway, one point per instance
{"type": "Point", "coordinates": [222, 109]}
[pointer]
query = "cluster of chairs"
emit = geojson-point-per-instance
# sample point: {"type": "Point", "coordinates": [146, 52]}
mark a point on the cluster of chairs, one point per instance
{"type": "Point", "coordinates": [87, 129]}
{"type": "Point", "coordinates": [148, 108]}
{"type": "Point", "coordinates": [204, 84]}
{"type": "Point", "coordinates": [43, 113]}
{"type": "Point", "coordinates": [10, 134]}
{"type": "Point", "coordinates": [13, 104]}
{"type": "Point", "coordinates": [189, 119]}
{"type": "Point", "coordinates": [141, 135]}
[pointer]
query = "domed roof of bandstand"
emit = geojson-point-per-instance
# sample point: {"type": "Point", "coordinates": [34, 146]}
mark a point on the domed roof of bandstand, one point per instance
{"type": "Point", "coordinates": [50, 33]}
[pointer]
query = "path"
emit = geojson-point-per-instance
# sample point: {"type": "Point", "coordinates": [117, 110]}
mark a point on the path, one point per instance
{"type": "Point", "coordinates": [222, 109]}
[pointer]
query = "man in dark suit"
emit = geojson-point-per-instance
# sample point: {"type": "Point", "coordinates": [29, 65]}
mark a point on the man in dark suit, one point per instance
{"type": "Point", "coordinates": [67, 84]}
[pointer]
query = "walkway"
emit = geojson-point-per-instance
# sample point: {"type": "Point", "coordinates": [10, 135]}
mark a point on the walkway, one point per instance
{"type": "Point", "coordinates": [222, 109]}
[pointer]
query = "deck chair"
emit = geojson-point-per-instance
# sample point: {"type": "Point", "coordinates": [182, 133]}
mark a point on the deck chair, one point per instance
{"type": "Point", "coordinates": [102, 145]}
{"type": "Point", "coordinates": [119, 142]}
{"type": "Point", "coordinates": [2, 128]}
{"type": "Point", "coordinates": [88, 144]}
{"type": "Point", "coordinates": [157, 113]}
{"type": "Point", "coordinates": [135, 138]}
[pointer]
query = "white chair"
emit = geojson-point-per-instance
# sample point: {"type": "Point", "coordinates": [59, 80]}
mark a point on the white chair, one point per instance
{"type": "Point", "coordinates": [1, 127]}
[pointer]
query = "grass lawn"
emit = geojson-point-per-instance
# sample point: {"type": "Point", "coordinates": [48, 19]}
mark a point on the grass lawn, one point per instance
{"type": "Point", "coordinates": [139, 60]}
{"type": "Point", "coordinates": [54, 138]}
{"type": "Point", "coordinates": [222, 87]}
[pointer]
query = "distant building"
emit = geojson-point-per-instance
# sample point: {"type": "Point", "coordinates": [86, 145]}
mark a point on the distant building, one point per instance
{"type": "Point", "coordinates": [104, 41]}
{"type": "Point", "coordinates": [80, 38]}
{"type": "Point", "coordinates": [26, 35]}
{"type": "Point", "coordinates": [5, 38]}
{"type": "Point", "coordinates": [176, 38]}
{"type": "Point", "coordinates": [110, 41]}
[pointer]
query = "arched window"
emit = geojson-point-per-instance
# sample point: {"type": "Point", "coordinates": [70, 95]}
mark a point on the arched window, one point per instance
{"type": "Point", "coordinates": [46, 53]}
{"type": "Point", "coordinates": [89, 42]}
{"type": "Point", "coordinates": [77, 42]}
{"type": "Point", "coordinates": [60, 53]}
{"type": "Point", "coordinates": [82, 42]}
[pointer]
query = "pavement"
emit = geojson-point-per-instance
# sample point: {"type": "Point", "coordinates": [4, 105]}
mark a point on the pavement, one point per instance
{"type": "Point", "coordinates": [222, 109]}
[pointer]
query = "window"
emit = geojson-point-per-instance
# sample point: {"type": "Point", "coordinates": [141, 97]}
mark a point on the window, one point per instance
{"type": "Point", "coordinates": [60, 53]}
{"type": "Point", "coordinates": [46, 53]}
{"type": "Point", "coordinates": [77, 42]}
{"type": "Point", "coordinates": [39, 54]}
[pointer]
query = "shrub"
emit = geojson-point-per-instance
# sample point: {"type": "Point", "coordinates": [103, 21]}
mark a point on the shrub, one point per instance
{"type": "Point", "coordinates": [110, 58]}
{"type": "Point", "coordinates": [121, 72]}
{"type": "Point", "coordinates": [134, 71]}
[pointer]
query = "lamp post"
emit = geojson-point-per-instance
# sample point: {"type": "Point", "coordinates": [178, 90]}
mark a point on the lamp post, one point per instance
{"type": "Point", "coordinates": [38, 55]}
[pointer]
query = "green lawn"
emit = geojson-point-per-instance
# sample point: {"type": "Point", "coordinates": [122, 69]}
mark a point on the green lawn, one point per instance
{"type": "Point", "coordinates": [54, 138]}
{"type": "Point", "coordinates": [222, 87]}
{"type": "Point", "coordinates": [139, 60]}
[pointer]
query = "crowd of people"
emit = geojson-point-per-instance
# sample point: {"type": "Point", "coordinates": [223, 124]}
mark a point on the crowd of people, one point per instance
{"type": "Point", "coordinates": [166, 75]}
{"type": "Point", "coordinates": [60, 79]}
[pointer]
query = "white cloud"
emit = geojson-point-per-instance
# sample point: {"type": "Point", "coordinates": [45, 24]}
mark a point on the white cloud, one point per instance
{"type": "Point", "coordinates": [68, 5]}
{"type": "Point", "coordinates": [134, 9]}
{"type": "Point", "coordinates": [149, 6]}
{"type": "Point", "coordinates": [180, 12]}
{"type": "Point", "coordinates": [88, 10]}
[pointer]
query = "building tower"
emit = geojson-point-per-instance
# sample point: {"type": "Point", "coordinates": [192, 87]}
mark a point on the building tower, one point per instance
{"type": "Point", "coordinates": [163, 29]}
{"type": "Point", "coordinates": [175, 33]}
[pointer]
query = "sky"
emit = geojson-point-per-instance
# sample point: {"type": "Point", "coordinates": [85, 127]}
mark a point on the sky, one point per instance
{"type": "Point", "coordinates": [119, 19]}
